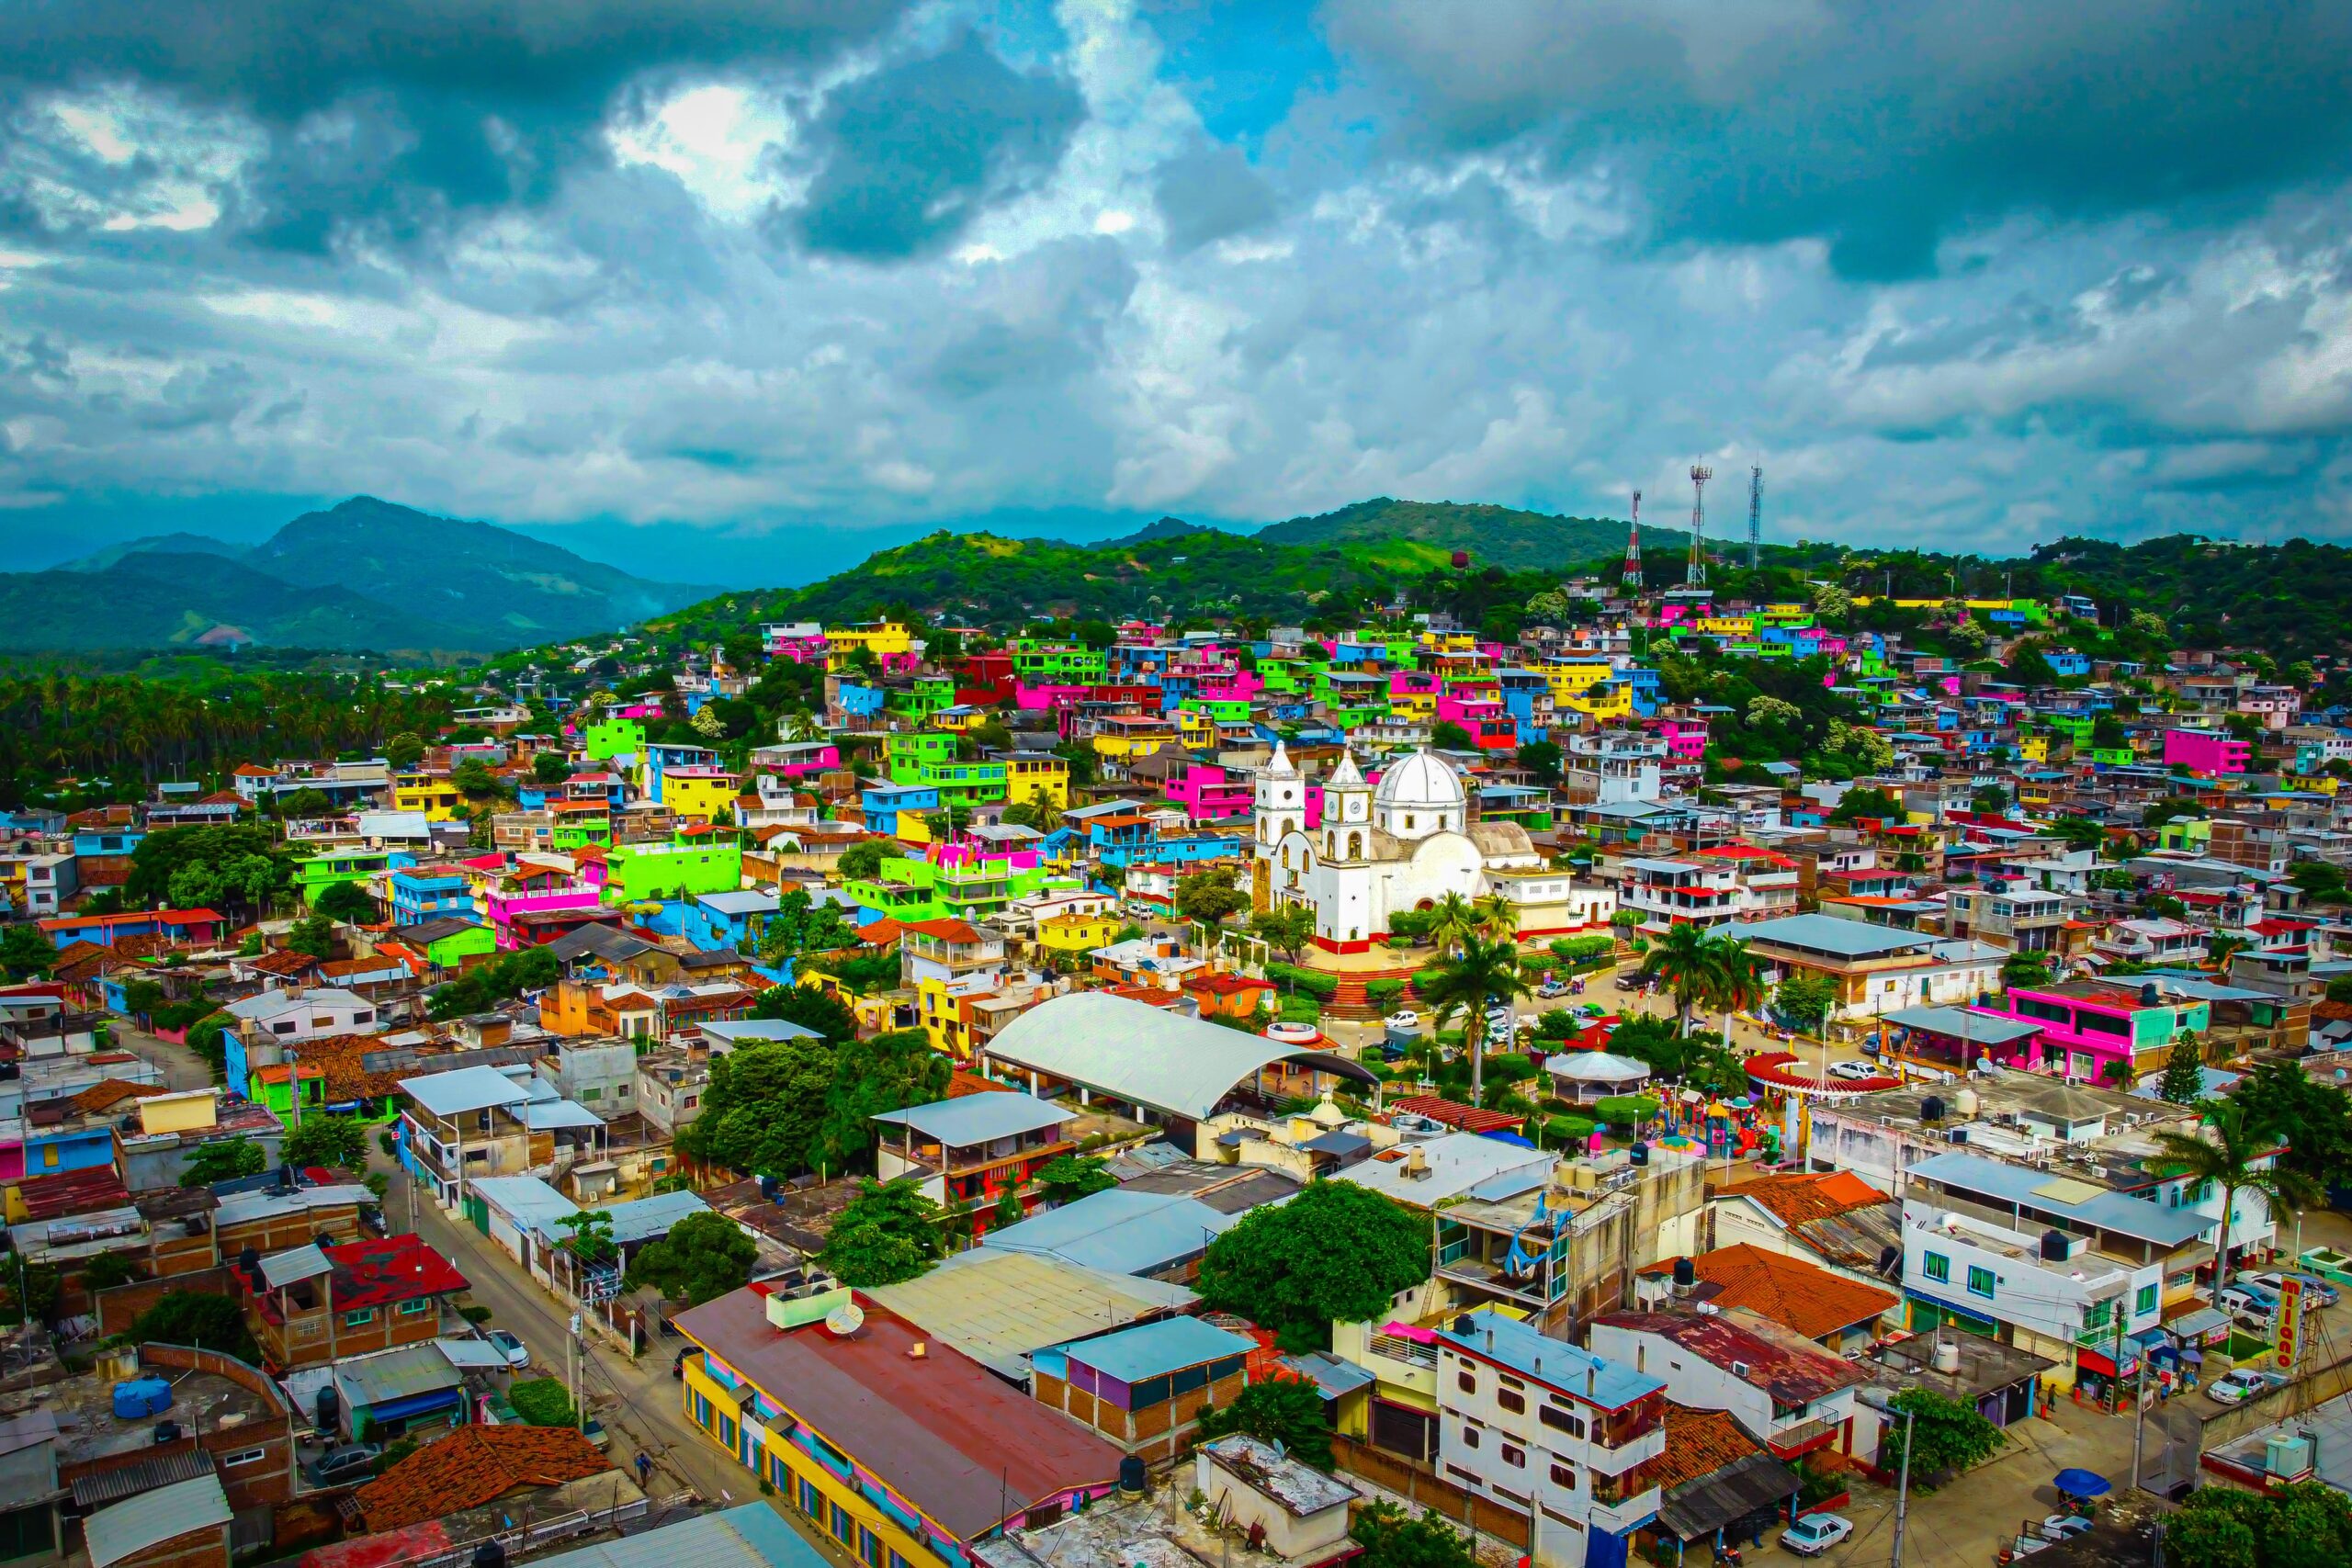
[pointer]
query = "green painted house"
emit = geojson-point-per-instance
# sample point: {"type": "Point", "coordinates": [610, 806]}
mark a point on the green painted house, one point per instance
{"type": "Point", "coordinates": [683, 868]}
{"type": "Point", "coordinates": [315, 874]}
{"type": "Point", "coordinates": [613, 737]}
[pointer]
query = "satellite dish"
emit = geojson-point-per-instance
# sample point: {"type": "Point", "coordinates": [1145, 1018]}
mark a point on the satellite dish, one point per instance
{"type": "Point", "coordinates": [845, 1319]}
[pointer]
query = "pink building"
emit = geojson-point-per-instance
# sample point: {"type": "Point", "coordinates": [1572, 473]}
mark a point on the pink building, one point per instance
{"type": "Point", "coordinates": [1411, 683]}
{"type": "Point", "coordinates": [2206, 752]}
{"type": "Point", "coordinates": [1239, 686]}
{"type": "Point", "coordinates": [1685, 738]}
{"type": "Point", "coordinates": [1211, 793]}
{"type": "Point", "coordinates": [801, 642]}
{"type": "Point", "coordinates": [2095, 1031]}
{"type": "Point", "coordinates": [1044, 697]}
{"type": "Point", "coordinates": [531, 890]}
{"type": "Point", "coordinates": [798, 759]}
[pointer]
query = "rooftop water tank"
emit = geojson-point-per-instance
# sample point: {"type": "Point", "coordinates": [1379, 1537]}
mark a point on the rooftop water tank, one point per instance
{"type": "Point", "coordinates": [2287, 1457]}
{"type": "Point", "coordinates": [141, 1397]}
{"type": "Point", "coordinates": [1967, 1102]}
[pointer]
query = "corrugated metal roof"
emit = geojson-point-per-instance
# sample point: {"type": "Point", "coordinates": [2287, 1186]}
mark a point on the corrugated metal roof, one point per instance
{"type": "Point", "coordinates": [152, 1518]}
{"type": "Point", "coordinates": [999, 1305]}
{"type": "Point", "coordinates": [466, 1088]}
{"type": "Point", "coordinates": [2032, 1188]}
{"type": "Point", "coordinates": [1135, 1052]}
{"type": "Point", "coordinates": [145, 1476]}
{"type": "Point", "coordinates": [1123, 1232]}
{"type": "Point", "coordinates": [980, 1118]}
{"type": "Point", "coordinates": [750, 1536]}
{"type": "Point", "coordinates": [1151, 1348]}
{"type": "Point", "coordinates": [391, 1375]}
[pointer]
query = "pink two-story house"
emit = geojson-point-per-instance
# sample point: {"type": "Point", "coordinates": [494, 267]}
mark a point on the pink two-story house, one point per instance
{"type": "Point", "coordinates": [1210, 794]}
{"type": "Point", "coordinates": [2096, 1031]}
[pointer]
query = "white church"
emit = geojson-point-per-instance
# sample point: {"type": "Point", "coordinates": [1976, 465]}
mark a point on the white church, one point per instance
{"type": "Point", "coordinates": [1403, 844]}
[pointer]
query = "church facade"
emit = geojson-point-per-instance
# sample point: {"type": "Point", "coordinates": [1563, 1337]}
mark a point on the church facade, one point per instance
{"type": "Point", "coordinates": [1403, 843]}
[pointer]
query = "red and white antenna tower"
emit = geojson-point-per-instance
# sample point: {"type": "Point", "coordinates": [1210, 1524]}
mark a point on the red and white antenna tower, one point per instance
{"type": "Point", "coordinates": [1633, 574]}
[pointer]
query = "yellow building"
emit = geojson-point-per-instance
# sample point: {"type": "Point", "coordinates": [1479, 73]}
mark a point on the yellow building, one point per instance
{"type": "Point", "coordinates": [1726, 625]}
{"type": "Point", "coordinates": [1413, 705]}
{"type": "Point", "coordinates": [1077, 934]}
{"type": "Point", "coordinates": [696, 795]}
{"type": "Point", "coordinates": [1129, 739]}
{"type": "Point", "coordinates": [885, 637]}
{"type": "Point", "coordinates": [1037, 775]}
{"type": "Point", "coordinates": [436, 797]}
{"type": "Point", "coordinates": [190, 1110]}
{"type": "Point", "coordinates": [1602, 702]}
{"type": "Point", "coordinates": [1198, 730]}
{"type": "Point", "coordinates": [1449, 642]}
{"type": "Point", "coordinates": [2033, 747]}
{"type": "Point", "coordinates": [1571, 678]}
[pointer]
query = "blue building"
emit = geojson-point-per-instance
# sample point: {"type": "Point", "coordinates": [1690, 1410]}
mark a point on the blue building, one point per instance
{"type": "Point", "coordinates": [107, 840]}
{"type": "Point", "coordinates": [715, 921]}
{"type": "Point", "coordinates": [861, 701]}
{"type": "Point", "coordinates": [884, 803]}
{"type": "Point", "coordinates": [422, 894]}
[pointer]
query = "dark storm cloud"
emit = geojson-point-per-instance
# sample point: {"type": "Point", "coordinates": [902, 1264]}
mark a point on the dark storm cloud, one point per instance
{"type": "Point", "coordinates": [1882, 125]}
{"type": "Point", "coordinates": [1208, 194]}
{"type": "Point", "coordinates": [399, 112]}
{"type": "Point", "coordinates": [907, 157]}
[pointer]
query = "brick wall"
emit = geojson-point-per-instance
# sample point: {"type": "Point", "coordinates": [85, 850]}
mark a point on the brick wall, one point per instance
{"type": "Point", "coordinates": [117, 1307]}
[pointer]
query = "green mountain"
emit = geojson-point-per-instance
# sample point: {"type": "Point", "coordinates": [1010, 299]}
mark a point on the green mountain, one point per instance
{"type": "Point", "coordinates": [1495, 536]}
{"type": "Point", "coordinates": [153, 599]}
{"type": "Point", "coordinates": [362, 575]}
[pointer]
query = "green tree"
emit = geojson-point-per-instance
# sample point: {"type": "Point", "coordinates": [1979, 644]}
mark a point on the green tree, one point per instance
{"type": "Point", "coordinates": [1947, 1436]}
{"type": "Point", "coordinates": [705, 1256]}
{"type": "Point", "coordinates": [589, 1237]}
{"type": "Point", "coordinates": [862, 861]}
{"type": "Point", "coordinates": [889, 1072]}
{"type": "Point", "coordinates": [1447, 735]}
{"type": "Point", "coordinates": [2280, 1094]}
{"type": "Point", "coordinates": [2226, 1151]}
{"type": "Point", "coordinates": [1336, 1252]}
{"type": "Point", "coordinates": [26, 952]}
{"type": "Point", "coordinates": [1806, 1002]}
{"type": "Point", "coordinates": [403, 751]}
{"type": "Point", "coordinates": [347, 902]}
{"type": "Point", "coordinates": [1287, 1412]}
{"type": "Point", "coordinates": [224, 1159]}
{"type": "Point", "coordinates": [1208, 897]}
{"type": "Point", "coordinates": [2184, 1080]}
{"type": "Point", "coordinates": [1073, 1176]}
{"type": "Point", "coordinates": [550, 768]}
{"type": "Point", "coordinates": [1542, 759]}
{"type": "Point", "coordinates": [108, 1269]}
{"type": "Point", "coordinates": [304, 804]}
{"type": "Point", "coordinates": [474, 779]}
{"type": "Point", "coordinates": [888, 1232]}
{"type": "Point", "coordinates": [2026, 969]}
{"type": "Point", "coordinates": [2320, 881]}
{"type": "Point", "coordinates": [543, 1402]}
{"type": "Point", "coordinates": [201, 1320]}
{"type": "Point", "coordinates": [322, 1139]}
{"type": "Point", "coordinates": [1480, 970]}
{"type": "Point", "coordinates": [1393, 1539]}
{"type": "Point", "coordinates": [312, 935]}
{"type": "Point", "coordinates": [1285, 927]}
{"type": "Point", "coordinates": [810, 1008]}
{"type": "Point", "coordinates": [1866, 802]}
{"type": "Point", "coordinates": [763, 1108]}
{"type": "Point", "coordinates": [1703, 967]}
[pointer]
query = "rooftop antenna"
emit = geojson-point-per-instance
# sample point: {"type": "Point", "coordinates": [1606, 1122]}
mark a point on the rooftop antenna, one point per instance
{"type": "Point", "coordinates": [1633, 574]}
{"type": "Point", "coordinates": [1755, 517]}
{"type": "Point", "coordinates": [1697, 576]}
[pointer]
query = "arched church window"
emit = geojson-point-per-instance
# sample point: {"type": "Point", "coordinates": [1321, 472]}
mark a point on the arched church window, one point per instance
{"type": "Point", "coordinates": [1355, 846]}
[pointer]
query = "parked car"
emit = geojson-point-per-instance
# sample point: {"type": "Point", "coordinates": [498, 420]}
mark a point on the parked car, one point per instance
{"type": "Point", "coordinates": [2247, 1297]}
{"type": "Point", "coordinates": [2237, 1386]}
{"type": "Point", "coordinates": [1550, 988]}
{"type": "Point", "coordinates": [349, 1462]}
{"type": "Point", "coordinates": [2315, 1288]}
{"type": "Point", "coordinates": [1501, 1023]}
{"type": "Point", "coordinates": [1852, 1070]}
{"type": "Point", "coordinates": [2058, 1527]}
{"type": "Point", "coordinates": [1403, 1017]}
{"type": "Point", "coordinates": [1815, 1533]}
{"type": "Point", "coordinates": [517, 1354]}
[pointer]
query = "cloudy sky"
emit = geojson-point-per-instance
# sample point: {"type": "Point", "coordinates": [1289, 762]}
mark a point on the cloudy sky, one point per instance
{"type": "Point", "coordinates": [800, 277]}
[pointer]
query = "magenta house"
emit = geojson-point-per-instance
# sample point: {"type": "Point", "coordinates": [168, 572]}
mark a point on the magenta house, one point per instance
{"type": "Point", "coordinates": [2096, 1032]}
{"type": "Point", "coordinates": [2206, 752]}
{"type": "Point", "coordinates": [1210, 794]}
{"type": "Point", "coordinates": [1685, 738]}
{"type": "Point", "coordinates": [532, 890]}
{"type": "Point", "coordinates": [797, 758]}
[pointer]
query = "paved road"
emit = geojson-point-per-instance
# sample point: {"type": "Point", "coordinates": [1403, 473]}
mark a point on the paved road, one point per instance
{"type": "Point", "coordinates": [183, 1069]}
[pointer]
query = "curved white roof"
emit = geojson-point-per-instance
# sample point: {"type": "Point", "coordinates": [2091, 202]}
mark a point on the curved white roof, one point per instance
{"type": "Point", "coordinates": [1420, 780]}
{"type": "Point", "coordinates": [1135, 1052]}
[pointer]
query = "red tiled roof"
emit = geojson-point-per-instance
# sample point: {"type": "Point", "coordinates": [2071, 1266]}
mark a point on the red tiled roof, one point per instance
{"type": "Point", "coordinates": [1226, 985]}
{"type": "Point", "coordinates": [943, 930]}
{"type": "Point", "coordinates": [1798, 1198]}
{"type": "Point", "coordinates": [108, 1093]}
{"type": "Point", "coordinates": [1792, 1368]}
{"type": "Point", "coordinates": [1452, 1113]}
{"type": "Point", "coordinates": [1698, 1442]}
{"type": "Point", "coordinates": [472, 1466]}
{"type": "Point", "coordinates": [1789, 1290]}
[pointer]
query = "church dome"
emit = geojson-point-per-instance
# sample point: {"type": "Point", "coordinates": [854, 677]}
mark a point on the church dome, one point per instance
{"type": "Point", "coordinates": [1419, 781]}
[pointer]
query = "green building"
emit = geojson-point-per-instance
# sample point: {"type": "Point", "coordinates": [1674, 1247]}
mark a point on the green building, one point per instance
{"type": "Point", "coordinates": [1039, 663]}
{"type": "Point", "coordinates": [448, 942]}
{"type": "Point", "coordinates": [906, 888]}
{"type": "Point", "coordinates": [927, 759]}
{"type": "Point", "coordinates": [315, 874]}
{"type": "Point", "coordinates": [613, 737]}
{"type": "Point", "coordinates": [683, 868]}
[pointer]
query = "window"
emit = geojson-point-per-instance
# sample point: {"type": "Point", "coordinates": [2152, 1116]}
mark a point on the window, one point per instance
{"type": "Point", "coordinates": [1980, 1282]}
{"type": "Point", "coordinates": [1563, 1475]}
{"type": "Point", "coordinates": [1465, 1382]}
{"type": "Point", "coordinates": [1469, 1436]}
{"type": "Point", "coordinates": [416, 1308]}
{"type": "Point", "coordinates": [2145, 1302]}
{"type": "Point", "coordinates": [243, 1456]}
{"type": "Point", "coordinates": [1514, 1456]}
{"type": "Point", "coordinates": [702, 1412]}
{"type": "Point", "coordinates": [1561, 1420]}
{"type": "Point", "coordinates": [869, 1547]}
{"type": "Point", "coordinates": [1937, 1267]}
{"type": "Point", "coordinates": [844, 1527]}
{"type": "Point", "coordinates": [812, 1502]}
{"type": "Point", "coordinates": [359, 1319]}
{"type": "Point", "coordinates": [1514, 1403]}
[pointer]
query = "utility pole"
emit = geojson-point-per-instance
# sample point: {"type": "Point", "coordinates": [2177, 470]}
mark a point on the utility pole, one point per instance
{"type": "Point", "coordinates": [1903, 1489]}
{"type": "Point", "coordinates": [2139, 1423]}
{"type": "Point", "coordinates": [1755, 517]}
{"type": "Point", "coordinates": [572, 1373]}
{"type": "Point", "coordinates": [1697, 575]}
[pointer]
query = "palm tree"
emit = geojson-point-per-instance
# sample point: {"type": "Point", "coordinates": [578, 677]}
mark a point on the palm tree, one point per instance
{"type": "Point", "coordinates": [2222, 949]}
{"type": "Point", "coordinates": [1498, 918]}
{"type": "Point", "coordinates": [2224, 1153]}
{"type": "Point", "coordinates": [1683, 960]}
{"type": "Point", "coordinates": [1453, 921]}
{"type": "Point", "coordinates": [1738, 980]}
{"type": "Point", "coordinates": [1478, 969]}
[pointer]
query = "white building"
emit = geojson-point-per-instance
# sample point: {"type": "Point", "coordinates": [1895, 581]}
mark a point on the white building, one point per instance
{"type": "Point", "coordinates": [1784, 1390]}
{"type": "Point", "coordinates": [1548, 1431]}
{"type": "Point", "coordinates": [1403, 845]}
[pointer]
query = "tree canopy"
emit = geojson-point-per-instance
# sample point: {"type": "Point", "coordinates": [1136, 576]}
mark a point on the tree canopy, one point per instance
{"type": "Point", "coordinates": [1285, 1412]}
{"type": "Point", "coordinates": [888, 1232]}
{"type": "Point", "coordinates": [704, 1256]}
{"type": "Point", "coordinates": [224, 1159]}
{"type": "Point", "coordinates": [323, 1139]}
{"type": "Point", "coordinates": [1336, 1252]}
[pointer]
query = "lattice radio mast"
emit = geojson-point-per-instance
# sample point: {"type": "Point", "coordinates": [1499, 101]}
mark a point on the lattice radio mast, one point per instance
{"type": "Point", "coordinates": [1755, 517]}
{"type": "Point", "coordinates": [1632, 577]}
{"type": "Point", "coordinates": [1697, 576]}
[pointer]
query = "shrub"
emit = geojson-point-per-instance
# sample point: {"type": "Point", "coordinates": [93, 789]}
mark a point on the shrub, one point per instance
{"type": "Point", "coordinates": [475, 1314]}
{"type": "Point", "coordinates": [1384, 994]}
{"type": "Point", "coordinates": [1301, 1009]}
{"type": "Point", "coordinates": [1313, 982]}
{"type": "Point", "coordinates": [1627, 1110]}
{"type": "Point", "coordinates": [542, 1401]}
{"type": "Point", "coordinates": [1561, 1130]}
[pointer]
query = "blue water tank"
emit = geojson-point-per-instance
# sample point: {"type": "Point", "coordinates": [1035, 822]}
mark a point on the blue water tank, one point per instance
{"type": "Point", "coordinates": [141, 1397]}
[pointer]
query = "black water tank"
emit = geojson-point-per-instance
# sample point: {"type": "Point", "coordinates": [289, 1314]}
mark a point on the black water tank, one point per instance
{"type": "Point", "coordinates": [768, 1187]}
{"type": "Point", "coordinates": [327, 1408]}
{"type": "Point", "coordinates": [1639, 1154]}
{"type": "Point", "coordinates": [1686, 1273]}
{"type": "Point", "coordinates": [2056, 1246]}
{"type": "Point", "coordinates": [1131, 1475]}
{"type": "Point", "coordinates": [1464, 1326]}
{"type": "Point", "coordinates": [490, 1554]}
{"type": "Point", "coordinates": [249, 1259]}
{"type": "Point", "coordinates": [1932, 1108]}
{"type": "Point", "coordinates": [2149, 995]}
{"type": "Point", "coordinates": [167, 1431]}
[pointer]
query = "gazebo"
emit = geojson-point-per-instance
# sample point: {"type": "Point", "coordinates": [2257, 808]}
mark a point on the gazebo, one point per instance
{"type": "Point", "coordinates": [1583, 1077]}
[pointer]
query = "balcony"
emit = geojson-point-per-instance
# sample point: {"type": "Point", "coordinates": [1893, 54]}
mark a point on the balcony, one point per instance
{"type": "Point", "coordinates": [1619, 1517]}
{"type": "Point", "coordinates": [1801, 1438]}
